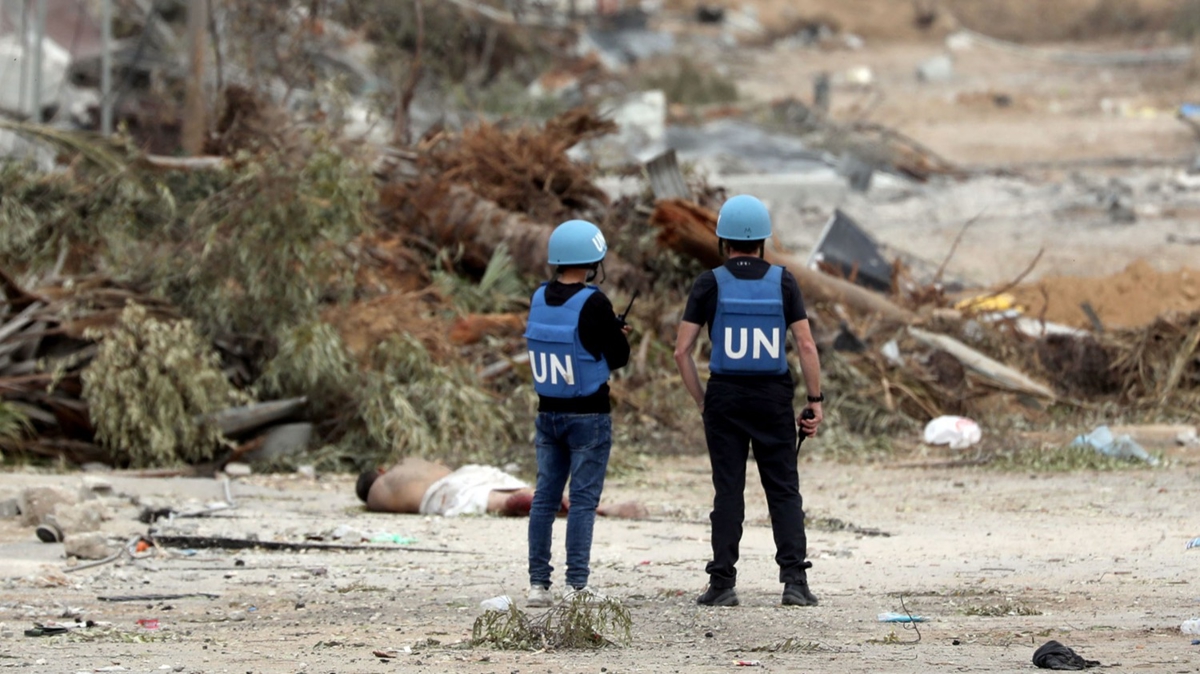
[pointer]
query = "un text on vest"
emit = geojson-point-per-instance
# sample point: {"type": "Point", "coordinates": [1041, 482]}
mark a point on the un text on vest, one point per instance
{"type": "Point", "coordinates": [760, 342]}
{"type": "Point", "coordinates": [564, 367]}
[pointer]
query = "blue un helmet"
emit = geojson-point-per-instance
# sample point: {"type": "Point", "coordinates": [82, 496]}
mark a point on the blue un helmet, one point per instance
{"type": "Point", "coordinates": [577, 242]}
{"type": "Point", "coordinates": [744, 218]}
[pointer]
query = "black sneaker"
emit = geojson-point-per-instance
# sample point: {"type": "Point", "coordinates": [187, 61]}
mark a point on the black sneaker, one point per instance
{"type": "Point", "coordinates": [797, 594]}
{"type": "Point", "coordinates": [718, 596]}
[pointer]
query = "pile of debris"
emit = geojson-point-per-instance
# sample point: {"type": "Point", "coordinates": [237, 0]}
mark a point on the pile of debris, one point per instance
{"type": "Point", "coordinates": [49, 336]}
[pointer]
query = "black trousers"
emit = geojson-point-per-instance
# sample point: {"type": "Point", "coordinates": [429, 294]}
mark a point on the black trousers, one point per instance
{"type": "Point", "coordinates": [738, 416]}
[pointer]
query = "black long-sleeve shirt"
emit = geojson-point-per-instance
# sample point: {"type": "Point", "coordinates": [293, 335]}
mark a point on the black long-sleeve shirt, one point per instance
{"type": "Point", "coordinates": [600, 333]}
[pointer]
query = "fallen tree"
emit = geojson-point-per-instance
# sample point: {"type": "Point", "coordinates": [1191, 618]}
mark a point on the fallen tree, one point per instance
{"type": "Point", "coordinates": [451, 216]}
{"type": "Point", "coordinates": [692, 230]}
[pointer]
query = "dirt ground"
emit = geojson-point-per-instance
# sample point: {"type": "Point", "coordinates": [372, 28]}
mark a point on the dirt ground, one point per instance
{"type": "Point", "coordinates": [1093, 560]}
{"type": "Point", "coordinates": [998, 562]}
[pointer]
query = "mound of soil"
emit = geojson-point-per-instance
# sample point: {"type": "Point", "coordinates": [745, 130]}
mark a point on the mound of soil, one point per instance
{"type": "Point", "coordinates": [1132, 298]}
{"type": "Point", "coordinates": [1017, 20]}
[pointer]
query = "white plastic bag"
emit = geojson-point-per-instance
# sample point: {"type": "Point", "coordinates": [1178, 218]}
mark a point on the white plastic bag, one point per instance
{"type": "Point", "coordinates": [958, 432]}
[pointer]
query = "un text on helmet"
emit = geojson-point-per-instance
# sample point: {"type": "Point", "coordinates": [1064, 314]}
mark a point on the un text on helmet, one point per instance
{"type": "Point", "coordinates": [760, 339]}
{"type": "Point", "coordinates": [556, 367]}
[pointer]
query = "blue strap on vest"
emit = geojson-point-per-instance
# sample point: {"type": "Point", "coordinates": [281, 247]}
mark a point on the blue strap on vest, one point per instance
{"type": "Point", "coordinates": [749, 331]}
{"type": "Point", "coordinates": [562, 368]}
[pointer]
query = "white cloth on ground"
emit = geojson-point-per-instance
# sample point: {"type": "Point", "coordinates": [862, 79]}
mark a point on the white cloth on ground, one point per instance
{"type": "Point", "coordinates": [465, 491]}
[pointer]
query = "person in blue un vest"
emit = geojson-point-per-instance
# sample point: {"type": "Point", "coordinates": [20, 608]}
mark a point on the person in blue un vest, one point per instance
{"type": "Point", "coordinates": [749, 307]}
{"type": "Point", "coordinates": [575, 340]}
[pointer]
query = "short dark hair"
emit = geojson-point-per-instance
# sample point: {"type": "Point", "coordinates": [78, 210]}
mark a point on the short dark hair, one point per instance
{"type": "Point", "coordinates": [363, 487]}
{"type": "Point", "coordinates": [747, 247]}
{"type": "Point", "coordinates": [591, 266]}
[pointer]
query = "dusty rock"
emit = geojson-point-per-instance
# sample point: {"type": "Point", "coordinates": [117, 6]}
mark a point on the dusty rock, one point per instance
{"type": "Point", "coordinates": [937, 69]}
{"type": "Point", "coordinates": [234, 469]}
{"type": "Point", "coordinates": [79, 518]}
{"type": "Point", "coordinates": [97, 486]}
{"type": "Point", "coordinates": [38, 502]}
{"type": "Point", "coordinates": [92, 545]}
{"type": "Point", "coordinates": [281, 443]}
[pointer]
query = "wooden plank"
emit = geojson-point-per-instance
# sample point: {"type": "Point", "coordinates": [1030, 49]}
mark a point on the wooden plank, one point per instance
{"type": "Point", "coordinates": [998, 373]}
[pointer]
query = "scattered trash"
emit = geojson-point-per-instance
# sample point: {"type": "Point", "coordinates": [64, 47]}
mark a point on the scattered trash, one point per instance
{"type": "Point", "coordinates": [891, 351]}
{"type": "Point", "coordinates": [1053, 655]}
{"type": "Point", "coordinates": [45, 630]}
{"type": "Point", "coordinates": [893, 617]}
{"type": "Point", "coordinates": [501, 603]}
{"type": "Point", "coordinates": [345, 532]}
{"type": "Point", "coordinates": [861, 76]}
{"type": "Point", "coordinates": [958, 432]}
{"type": "Point", "coordinates": [852, 253]}
{"type": "Point", "coordinates": [148, 623]}
{"type": "Point", "coordinates": [394, 539]}
{"type": "Point", "coordinates": [157, 597]}
{"type": "Point", "coordinates": [937, 69]}
{"type": "Point", "coordinates": [9, 508]}
{"type": "Point", "coordinates": [1120, 446]}
{"type": "Point", "coordinates": [1190, 626]}
{"type": "Point", "coordinates": [748, 663]}
{"type": "Point", "coordinates": [49, 533]}
{"type": "Point", "coordinates": [710, 13]}
{"type": "Point", "coordinates": [1194, 543]}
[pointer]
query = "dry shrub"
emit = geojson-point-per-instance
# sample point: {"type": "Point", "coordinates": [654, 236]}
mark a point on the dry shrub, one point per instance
{"type": "Point", "coordinates": [1078, 366]}
{"type": "Point", "coordinates": [13, 424]}
{"type": "Point", "coordinates": [149, 385]}
{"type": "Point", "coordinates": [577, 624]}
{"type": "Point", "coordinates": [1147, 357]}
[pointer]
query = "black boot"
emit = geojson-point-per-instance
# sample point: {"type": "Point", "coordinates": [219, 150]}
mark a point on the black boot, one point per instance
{"type": "Point", "coordinates": [797, 594]}
{"type": "Point", "coordinates": [718, 596]}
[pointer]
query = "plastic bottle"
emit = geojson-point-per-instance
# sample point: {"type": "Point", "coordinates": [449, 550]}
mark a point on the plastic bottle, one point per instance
{"type": "Point", "coordinates": [500, 603]}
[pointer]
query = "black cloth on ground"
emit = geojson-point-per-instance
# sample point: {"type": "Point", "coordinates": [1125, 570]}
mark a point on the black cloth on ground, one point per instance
{"type": "Point", "coordinates": [1053, 655]}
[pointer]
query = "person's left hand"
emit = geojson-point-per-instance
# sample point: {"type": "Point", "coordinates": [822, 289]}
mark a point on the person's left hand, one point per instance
{"type": "Point", "coordinates": [810, 425]}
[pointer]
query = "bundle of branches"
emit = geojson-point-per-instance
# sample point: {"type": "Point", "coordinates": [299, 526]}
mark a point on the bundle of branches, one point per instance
{"type": "Point", "coordinates": [1160, 364]}
{"type": "Point", "coordinates": [46, 341]}
{"type": "Point", "coordinates": [524, 170]}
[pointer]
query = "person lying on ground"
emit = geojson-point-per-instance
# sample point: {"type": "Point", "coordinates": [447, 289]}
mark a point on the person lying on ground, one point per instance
{"type": "Point", "coordinates": [416, 486]}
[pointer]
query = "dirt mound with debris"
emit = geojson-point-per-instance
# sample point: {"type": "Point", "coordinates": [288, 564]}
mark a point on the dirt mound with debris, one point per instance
{"type": "Point", "coordinates": [1132, 298]}
{"type": "Point", "coordinates": [1018, 20]}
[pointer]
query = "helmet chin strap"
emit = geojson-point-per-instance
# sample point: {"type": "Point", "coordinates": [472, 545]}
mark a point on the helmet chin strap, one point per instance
{"type": "Point", "coordinates": [591, 276]}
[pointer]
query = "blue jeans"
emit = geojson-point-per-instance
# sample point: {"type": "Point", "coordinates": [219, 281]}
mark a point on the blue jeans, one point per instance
{"type": "Point", "coordinates": [574, 446]}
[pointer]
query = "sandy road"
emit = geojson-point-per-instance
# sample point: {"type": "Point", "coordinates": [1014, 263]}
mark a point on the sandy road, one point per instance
{"type": "Point", "coordinates": [1099, 557]}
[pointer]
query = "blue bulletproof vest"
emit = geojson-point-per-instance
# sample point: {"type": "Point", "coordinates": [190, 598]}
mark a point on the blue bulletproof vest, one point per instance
{"type": "Point", "coordinates": [749, 332]}
{"type": "Point", "coordinates": [562, 368]}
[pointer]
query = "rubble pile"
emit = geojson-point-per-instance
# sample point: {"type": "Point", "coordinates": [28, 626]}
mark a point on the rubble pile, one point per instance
{"type": "Point", "coordinates": [375, 293]}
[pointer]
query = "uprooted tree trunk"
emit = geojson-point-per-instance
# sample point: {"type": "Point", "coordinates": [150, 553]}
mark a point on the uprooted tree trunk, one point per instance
{"type": "Point", "coordinates": [692, 230]}
{"type": "Point", "coordinates": [456, 216]}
